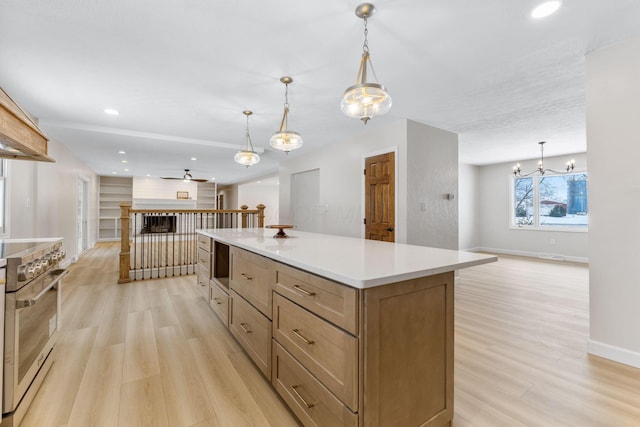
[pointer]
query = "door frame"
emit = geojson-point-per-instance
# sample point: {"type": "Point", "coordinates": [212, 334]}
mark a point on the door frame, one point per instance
{"type": "Point", "coordinates": [363, 157]}
{"type": "Point", "coordinates": [84, 244]}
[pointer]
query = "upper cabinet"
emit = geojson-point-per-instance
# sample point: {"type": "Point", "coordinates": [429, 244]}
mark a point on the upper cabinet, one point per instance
{"type": "Point", "coordinates": [20, 137]}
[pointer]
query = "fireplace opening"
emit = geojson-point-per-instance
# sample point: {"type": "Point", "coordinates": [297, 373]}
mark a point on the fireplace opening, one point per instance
{"type": "Point", "coordinates": [159, 224]}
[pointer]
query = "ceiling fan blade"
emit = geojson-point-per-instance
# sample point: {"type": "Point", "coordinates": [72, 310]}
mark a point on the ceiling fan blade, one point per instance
{"type": "Point", "coordinates": [169, 177]}
{"type": "Point", "coordinates": [199, 180]}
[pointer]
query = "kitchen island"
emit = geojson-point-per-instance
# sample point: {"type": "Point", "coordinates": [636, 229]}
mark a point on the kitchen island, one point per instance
{"type": "Point", "coordinates": [350, 332]}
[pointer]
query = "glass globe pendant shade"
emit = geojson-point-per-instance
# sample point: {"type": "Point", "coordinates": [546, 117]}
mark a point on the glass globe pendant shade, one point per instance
{"type": "Point", "coordinates": [286, 140]}
{"type": "Point", "coordinates": [365, 100]}
{"type": "Point", "coordinates": [246, 157]}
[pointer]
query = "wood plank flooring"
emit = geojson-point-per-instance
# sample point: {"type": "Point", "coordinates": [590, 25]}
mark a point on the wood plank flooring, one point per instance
{"type": "Point", "coordinates": [152, 353]}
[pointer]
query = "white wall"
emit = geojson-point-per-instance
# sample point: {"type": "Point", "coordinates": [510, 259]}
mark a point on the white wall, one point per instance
{"type": "Point", "coordinates": [43, 198]}
{"type": "Point", "coordinates": [432, 174]}
{"type": "Point", "coordinates": [341, 178]}
{"type": "Point", "coordinates": [494, 212]}
{"type": "Point", "coordinates": [261, 191]}
{"type": "Point", "coordinates": [613, 129]}
{"type": "Point", "coordinates": [426, 170]}
{"type": "Point", "coordinates": [469, 224]}
{"type": "Point", "coordinates": [156, 188]}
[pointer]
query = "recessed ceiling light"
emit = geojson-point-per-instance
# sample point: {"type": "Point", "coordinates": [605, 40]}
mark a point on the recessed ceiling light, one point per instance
{"type": "Point", "coordinates": [545, 9]}
{"type": "Point", "coordinates": [258, 182]}
{"type": "Point", "coordinates": [115, 173]}
{"type": "Point", "coordinates": [123, 161]}
{"type": "Point", "coordinates": [148, 174]}
{"type": "Point", "coordinates": [213, 178]}
{"type": "Point", "coordinates": [122, 152]}
{"type": "Point", "coordinates": [111, 111]}
{"type": "Point", "coordinates": [194, 158]}
{"type": "Point", "coordinates": [126, 170]}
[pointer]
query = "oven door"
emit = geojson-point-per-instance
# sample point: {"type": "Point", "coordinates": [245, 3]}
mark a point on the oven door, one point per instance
{"type": "Point", "coordinates": [31, 325]}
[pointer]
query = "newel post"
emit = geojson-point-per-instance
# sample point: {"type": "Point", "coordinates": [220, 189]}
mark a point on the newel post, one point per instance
{"type": "Point", "coordinates": [245, 215]}
{"type": "Point", "coordinates": [125, 246]}
{"type": "Point", "coordinates": [260, 208]}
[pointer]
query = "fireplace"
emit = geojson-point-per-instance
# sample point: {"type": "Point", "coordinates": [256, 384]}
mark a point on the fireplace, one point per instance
{"type": "Point", "coordinates": [158, 224]}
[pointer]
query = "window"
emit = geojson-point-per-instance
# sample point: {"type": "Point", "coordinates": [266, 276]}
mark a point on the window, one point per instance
{"type": "Point", "coordinates": [552, 201]}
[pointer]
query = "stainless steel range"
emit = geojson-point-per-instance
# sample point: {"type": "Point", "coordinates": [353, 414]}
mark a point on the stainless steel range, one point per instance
{"type": "Point", "coordinates": [31, 319]}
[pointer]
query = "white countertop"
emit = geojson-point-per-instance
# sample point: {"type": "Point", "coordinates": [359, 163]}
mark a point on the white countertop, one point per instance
{"type": "Point", "coordinates": [355, 262]}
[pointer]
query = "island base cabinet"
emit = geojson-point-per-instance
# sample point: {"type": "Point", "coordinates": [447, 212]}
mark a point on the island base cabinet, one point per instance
{"type": "Point", "coordinates": [313, 404]}
{"type": "Point", "coordinates": [220, 303]}
{"type": "Point", "coordinates": [407, 354]}
{"type": "Point", "coordinates": [253, 331]}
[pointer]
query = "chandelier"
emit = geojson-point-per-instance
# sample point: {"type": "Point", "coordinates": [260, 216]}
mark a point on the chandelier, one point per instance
{"type": "Point", "coordinates": [285, 140]}
{"type": "Point", "coordinates": [541, 169]}
{"type": "Point", "coordinates": [248, 156]}
{"type": "Point", "coordinates": [365, 99]}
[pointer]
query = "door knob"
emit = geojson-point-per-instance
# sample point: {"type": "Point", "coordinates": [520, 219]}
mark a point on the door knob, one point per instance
{"type": "Point", "coordinates": [390, 229]}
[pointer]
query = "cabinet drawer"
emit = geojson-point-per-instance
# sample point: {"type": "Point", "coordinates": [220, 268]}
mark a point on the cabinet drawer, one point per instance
{"type": "Point", "coordinates": [251, 277]}
{"type": "Point", "coordinates": [220, 302]}
{"type": "Point", "coordinates": [326, 351]}
{"type": "Point", "coordinates": [306, 396]}
{"type": "Point", "coordinates": [335, 302]}
{"type": "Point", "coordinates": [202, 283]}
{"type": "Point", "coordinates": [204, 242]}
{"type": "Point", "coordinates": [204, 259]}
{"type": "Point", "coordinates": [253, 332]}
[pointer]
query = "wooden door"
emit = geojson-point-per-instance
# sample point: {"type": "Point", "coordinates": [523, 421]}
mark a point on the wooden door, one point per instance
{"type": "Point", "coordinates": [380, 197]}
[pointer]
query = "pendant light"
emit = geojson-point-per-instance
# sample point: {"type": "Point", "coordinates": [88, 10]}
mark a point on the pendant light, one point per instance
{"type": "Point", "coordinates": [247, 157]}
{"type": "Point", "coordinates": [285, 140]}
{"type": "Point", "coordinates": [571, 164]}
{"type": "Point", "coordinates": [365, 99]}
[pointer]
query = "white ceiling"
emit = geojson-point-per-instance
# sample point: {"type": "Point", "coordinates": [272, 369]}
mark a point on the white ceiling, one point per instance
{"type": "Point", "coordinates": [180, 72]}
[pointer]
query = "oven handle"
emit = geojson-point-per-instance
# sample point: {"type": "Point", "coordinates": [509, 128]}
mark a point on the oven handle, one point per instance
{"type": "Point", "coordinates": [30, 302]}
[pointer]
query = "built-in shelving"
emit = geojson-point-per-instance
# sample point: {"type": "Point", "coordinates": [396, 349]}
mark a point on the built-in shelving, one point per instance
{"type": "Point", "coordinates": [206, 198]}
{"type": "Point", "coordinates": [113, 191]}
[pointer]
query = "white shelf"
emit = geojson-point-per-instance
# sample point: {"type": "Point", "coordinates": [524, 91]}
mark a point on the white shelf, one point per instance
{"type": "Point", "coordinates": [113, 191]}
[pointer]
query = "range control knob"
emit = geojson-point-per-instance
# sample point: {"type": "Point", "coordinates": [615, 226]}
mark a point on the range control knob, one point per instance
{"type": "Point", "coordinates": [37, 268]}
{"type": "Point", "coordinates": [25, 272]}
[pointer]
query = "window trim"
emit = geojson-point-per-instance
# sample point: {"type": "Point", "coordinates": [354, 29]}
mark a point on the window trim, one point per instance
{"type": "Point", "coordinates": [536, 202]}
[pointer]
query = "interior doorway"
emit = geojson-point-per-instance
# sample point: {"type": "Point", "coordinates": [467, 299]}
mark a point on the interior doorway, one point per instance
{"type": "Point", "coordinates": [379, 197]}
{"type": "Point", "coordinates": [83, 213]}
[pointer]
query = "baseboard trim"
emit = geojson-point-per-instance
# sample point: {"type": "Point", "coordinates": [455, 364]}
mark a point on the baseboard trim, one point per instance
{"type": "Point", "coordinates": [611, 352]}
{"type": "Point", "coordinates": [539, 255]}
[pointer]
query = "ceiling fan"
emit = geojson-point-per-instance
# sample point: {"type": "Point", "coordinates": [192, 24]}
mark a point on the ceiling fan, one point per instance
{"type": "Point", "coordinates": [186, 178]}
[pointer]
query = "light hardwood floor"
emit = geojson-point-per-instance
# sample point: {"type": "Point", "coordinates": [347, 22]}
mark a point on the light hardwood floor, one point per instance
{"type": "Point", "coordinates": [153, 353]}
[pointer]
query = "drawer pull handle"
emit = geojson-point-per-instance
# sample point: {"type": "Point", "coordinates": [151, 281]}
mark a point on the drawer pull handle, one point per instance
{"type": "Point", "coordinates": [307, 404]}
{"type": "Point", "coordinates": [246, 277]}
{"type": "Point", "coordinates": [217, 300]}
{"type": "Point", "coordinates": [244, 328]}
{"type": "Point", "coordinates": [304, 339]}
{"type": "Point", "coordinates": [304, 291]}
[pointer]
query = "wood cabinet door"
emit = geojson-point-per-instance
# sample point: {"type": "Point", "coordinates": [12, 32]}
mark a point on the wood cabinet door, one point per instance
{"type": "Point", "coordinates": [380, 197]}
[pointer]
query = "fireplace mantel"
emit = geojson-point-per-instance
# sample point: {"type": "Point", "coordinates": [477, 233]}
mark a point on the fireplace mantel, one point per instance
{"type": "Point", "coordinates": [167, 204]}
